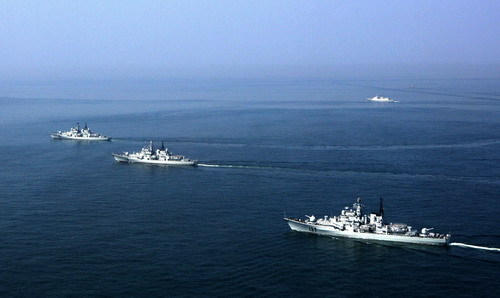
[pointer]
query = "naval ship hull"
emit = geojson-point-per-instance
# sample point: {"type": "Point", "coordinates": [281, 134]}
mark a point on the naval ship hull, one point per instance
{"type": "Point", "coordinates": [312, 228]}
{"type": "Point", "coordinates": [57, 136]}
{"type": "Point", "coordinates": [381, 100]}
{"type": "Point", "coordinates": [127, 159]}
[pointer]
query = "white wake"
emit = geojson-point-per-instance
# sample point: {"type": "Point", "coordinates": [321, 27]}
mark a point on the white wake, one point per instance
{"type": "Point", "coordinates": [475, 246]}
{"type": "Point", "coordinates": [231, 166]}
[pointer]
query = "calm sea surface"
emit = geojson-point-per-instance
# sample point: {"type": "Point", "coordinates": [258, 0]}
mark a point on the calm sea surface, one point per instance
{"type": "Point", "coordinates": [75, 222]}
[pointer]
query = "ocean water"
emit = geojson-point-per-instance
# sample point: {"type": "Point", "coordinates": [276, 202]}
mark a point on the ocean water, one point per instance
{"type": "Point", "coordinates": [75, 222]}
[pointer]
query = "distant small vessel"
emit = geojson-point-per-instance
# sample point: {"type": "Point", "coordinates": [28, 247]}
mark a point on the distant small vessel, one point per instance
{"type": "Point", "coordinates": [380, 98]}
{"type": "Point", "coordinates": [77, 133]}
{"type": "Point", "coordinates": [352, 223]}
{"type": "Point", "coordinates": [151, 155]}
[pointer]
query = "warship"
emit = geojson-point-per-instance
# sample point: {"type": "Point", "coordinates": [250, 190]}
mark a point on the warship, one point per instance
{"type": "Point", "coordinates": [157, 156]}
{"type": "Point", "coordinates": [380, 98]}
{"type": "Point", "coordinates": [77, 133]}
{"type": "Point", "coordinates": [353, 223]}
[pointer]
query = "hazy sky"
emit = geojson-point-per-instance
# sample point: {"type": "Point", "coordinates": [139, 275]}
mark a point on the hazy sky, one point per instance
{"type": "Point", "coordinates": [133, 38]}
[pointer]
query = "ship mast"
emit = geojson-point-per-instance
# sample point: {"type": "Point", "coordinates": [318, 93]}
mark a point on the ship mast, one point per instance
{"type": "Point", "coordinates": [151, 148]}
{"type": "Point", "coordinates": [381, 209]}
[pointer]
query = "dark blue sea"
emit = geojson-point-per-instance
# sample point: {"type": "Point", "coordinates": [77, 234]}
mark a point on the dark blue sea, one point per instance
{"type": "Point", "coordinates": [73, 222]}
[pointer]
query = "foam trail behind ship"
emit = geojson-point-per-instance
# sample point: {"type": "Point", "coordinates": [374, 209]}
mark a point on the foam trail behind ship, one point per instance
{"type": "Point", "coordinates": [474, 246]}
{"type": "Point", "coordinates": [232, 166]}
